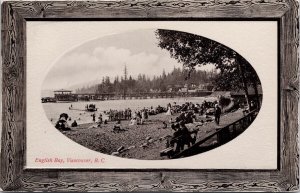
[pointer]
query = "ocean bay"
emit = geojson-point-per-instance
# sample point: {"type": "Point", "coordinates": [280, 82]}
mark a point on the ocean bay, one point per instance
{"type": "Point", "coordinates": [78, 113]}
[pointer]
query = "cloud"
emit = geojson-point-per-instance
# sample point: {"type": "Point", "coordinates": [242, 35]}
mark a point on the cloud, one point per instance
{"type": "Point", "coordinates": [75, 68]}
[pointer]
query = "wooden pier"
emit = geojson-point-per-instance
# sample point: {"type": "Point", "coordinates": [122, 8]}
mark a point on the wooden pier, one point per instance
{"type": "Point", "coordinates": [67, 96]}
{"type": "Point", "coordinates": [143, 95]}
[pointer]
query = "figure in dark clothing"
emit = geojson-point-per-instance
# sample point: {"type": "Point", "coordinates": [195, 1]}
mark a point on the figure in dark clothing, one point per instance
{"type": "Point", "coordinates": [177, 138]}
{"type": "Point", "coordinates": [186, 136]}
{"type": "Point", "coordinates": [217, 114]}
{"type": "Point", "coordinates": [252, 106]}
{"type": "Point", "coordinates": [94, 117]}
{"type": "Point", "coordinates": [74, 124]}
{"type": "Point", "coordinates": [64, 115]}
{"type": "Point", "coordinates": [62, 124]}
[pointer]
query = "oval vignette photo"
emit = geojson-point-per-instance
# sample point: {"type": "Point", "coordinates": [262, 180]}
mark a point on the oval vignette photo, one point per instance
{"type": "Point", "coordinates": [151, 94]}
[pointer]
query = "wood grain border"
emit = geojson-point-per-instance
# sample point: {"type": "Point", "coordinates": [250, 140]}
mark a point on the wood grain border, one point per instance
{"type": "Point", "coordinates": [13, 35]}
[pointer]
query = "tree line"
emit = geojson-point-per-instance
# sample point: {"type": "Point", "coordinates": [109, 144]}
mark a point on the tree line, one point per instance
{"type": "Point", "coordinates": [172, 81]}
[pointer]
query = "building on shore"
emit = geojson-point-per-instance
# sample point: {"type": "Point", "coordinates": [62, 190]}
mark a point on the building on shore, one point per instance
{"type": "Point", "coordinates": [65, 95]}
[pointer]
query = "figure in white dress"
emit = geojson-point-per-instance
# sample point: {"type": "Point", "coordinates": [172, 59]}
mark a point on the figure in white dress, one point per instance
{"type": "Point", "coordinates": [133, 120]}
{"type": "Point", "coordinates": [169, 112]}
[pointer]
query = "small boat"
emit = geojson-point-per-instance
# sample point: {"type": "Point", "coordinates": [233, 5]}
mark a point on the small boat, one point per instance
{"type": "Point", "coordinates": [91, 108]}
{"type": "Point", "coordinates": [48, 100]}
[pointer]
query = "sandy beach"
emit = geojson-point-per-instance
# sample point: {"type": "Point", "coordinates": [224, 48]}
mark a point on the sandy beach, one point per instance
{"type": "Point", "coordinates": [138, 141]}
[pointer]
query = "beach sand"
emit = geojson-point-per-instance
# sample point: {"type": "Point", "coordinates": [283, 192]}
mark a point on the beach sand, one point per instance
{"type": "Point", "coordinates": [104, 140]}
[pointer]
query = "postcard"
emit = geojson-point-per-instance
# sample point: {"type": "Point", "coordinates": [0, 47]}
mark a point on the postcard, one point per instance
{"type": "Point", "coordinates": [152, 95]}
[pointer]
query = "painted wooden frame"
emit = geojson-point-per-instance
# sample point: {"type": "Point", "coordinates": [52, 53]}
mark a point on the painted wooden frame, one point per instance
{"type": "Point", "coordinates": [14, 176]}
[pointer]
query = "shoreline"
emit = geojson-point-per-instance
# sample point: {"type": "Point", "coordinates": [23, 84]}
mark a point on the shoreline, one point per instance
{"type": "Point", "coordinates": [78, 113]}
{"type": "Point", "coordinates": [124, 99]}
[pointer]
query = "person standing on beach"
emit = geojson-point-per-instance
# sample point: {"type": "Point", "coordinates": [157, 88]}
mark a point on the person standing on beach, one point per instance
{"type": "Point", "coordinates": [252, 106]}
{"type": "Point", "coordinates": [100, 120]}
{"type": "Point", "coordinates": [143, 114]}
{"type": "Point", "coordinates": [94, 117]}
{"type": "Point", "coordinates": [169, 112]}
{"type": "Point", "coordinates": [217, 114]}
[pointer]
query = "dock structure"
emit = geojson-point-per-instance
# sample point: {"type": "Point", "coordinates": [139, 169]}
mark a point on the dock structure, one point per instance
{"type": "Point", "coordinates": [63, 95]}
{"type": "Point", "coordinates": [141, 95]}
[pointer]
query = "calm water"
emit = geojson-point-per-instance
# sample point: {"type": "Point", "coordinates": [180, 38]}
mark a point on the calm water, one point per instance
{"type": "Point", "coordinates": [53, 110]}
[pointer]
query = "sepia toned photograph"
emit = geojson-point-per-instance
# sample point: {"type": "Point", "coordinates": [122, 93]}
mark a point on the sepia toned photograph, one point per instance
{"type": "Point", "coordinates": [132, 96]}
{"type": "Point", "coordinates": [151, 94]}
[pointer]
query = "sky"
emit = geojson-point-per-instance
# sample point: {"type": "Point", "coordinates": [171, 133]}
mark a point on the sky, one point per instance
{"type": "Point", "coordinates": [107, 56]}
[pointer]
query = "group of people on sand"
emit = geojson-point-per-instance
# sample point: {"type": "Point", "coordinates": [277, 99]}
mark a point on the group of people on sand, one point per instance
{"type": "Point", "coordinates": [62, 123]}
{"type": "Point", "coordinates": [139, 117]}
{"type": "Point", "coordinates": [188, 111]}
{"type": "Point", "coordinates": [187, 114]}
{"type": "Point", "coordinates": [189, 106]}
{"type": "Point", "coordinates": [181, 137]}
{"type": "Point", "coordinates": [100, 120]}
{"type": "Point", "coordinates": [115, 115]}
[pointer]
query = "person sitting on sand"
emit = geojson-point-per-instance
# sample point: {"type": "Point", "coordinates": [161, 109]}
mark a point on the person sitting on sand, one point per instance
{"type": "Point", "coordinates": [176, 139]}
{"type": "Point", "coordinates": [184, 108]}
{"type": "Point", "coordinates": [188, 118]}
{"type": "Point", "coordinates": [181, 117]}
{"type": "Point", "coordinates": [152, 111]}
{"type": "Point", "coordinates": [117, 127]}
{"type": "Point", "coordinates": [74, 124]}
{"type": "Point", "coordinates": [133, 121]}
{"type": "Point", "coordinates": [62, 124]}
{"type": "Point", "coordinates": [186, 136]}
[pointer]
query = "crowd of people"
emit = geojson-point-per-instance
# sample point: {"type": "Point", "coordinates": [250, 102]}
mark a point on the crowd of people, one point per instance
{"type": "Point", "coordinates": [181, 137]}
{"type": "Point", "coordinates": [115, 115]}
{"type": "Point", "coordinates": [188, 114]}
{"type": "Point", "coordinates": [139, 117]}
{"type": "Point", "coordinates": [189, 106]}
